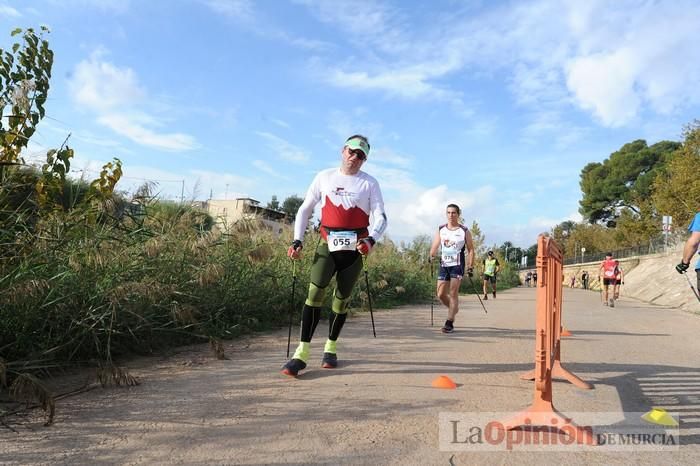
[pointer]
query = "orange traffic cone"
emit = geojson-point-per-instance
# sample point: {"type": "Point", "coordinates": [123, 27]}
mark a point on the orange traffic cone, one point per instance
{"type": "Point", "coordinates": [444, 382]}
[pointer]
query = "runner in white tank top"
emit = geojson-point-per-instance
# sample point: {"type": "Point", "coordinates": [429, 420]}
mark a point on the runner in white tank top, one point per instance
{"type": "Point", "coordinates": [452, 239]}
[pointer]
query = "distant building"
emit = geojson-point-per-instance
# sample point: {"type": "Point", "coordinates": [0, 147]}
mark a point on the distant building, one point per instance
{"type": "Point", "coordinates": [229, 211]}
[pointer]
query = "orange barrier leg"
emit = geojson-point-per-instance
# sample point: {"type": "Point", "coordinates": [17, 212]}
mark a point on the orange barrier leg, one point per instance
{"type": "Point", "coordinates": [560, 372]}
{"type": "Point", "coordinates": [543, 414]}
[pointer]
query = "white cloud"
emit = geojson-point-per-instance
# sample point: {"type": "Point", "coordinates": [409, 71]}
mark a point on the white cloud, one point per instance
{"type": "Point", "coordinates": [392, 179]}
{"type": "Point", "coordinates": [525, 235]}
{"type": "Point", "coordinates": [613, 60]}
{"type": "Point", "coordinates": [266, 168]}
{"type": "Point", "coordinates": [9, 12]}
{"type": "Point", "coordinates": [115, 6]}
{"type": "Point", "coordinates": [410, 83]}
{"type": "Point", "coordinates": [123, 125]}
{"type": "Point", "coordinates": [655, 61]}
{"type": "Point", "coordinates": [225, 185]}
{"type": "Point", "coordinates": [604, 84]}
{"type": "Point", "coordinates": [344, 123]}
{"type": "Point", "coordinates": [393, 58]}
{"type": "Point", "coordinates": [415, 209]}
{"type": "Point", "coordinates": [553, 124]}
{"type": "Point", "coordinates": [114, 95]}
{"type": "Point", "coordinates": [386, 155]}
{"type": "Point", "coordinates": [101, 86]}
{"type": "Point", "coordinates": [365, 22]}
{"type": "Point", "coordinates": [421, 210]}
{"type": "Point", "coordinates": [284, 149]}
{"type": "Point", "coordinates": [281, 123]}
{"type": "Point", "coordinates": [241, 10]}
{"type": "Point", "coordinates": [94, 140]}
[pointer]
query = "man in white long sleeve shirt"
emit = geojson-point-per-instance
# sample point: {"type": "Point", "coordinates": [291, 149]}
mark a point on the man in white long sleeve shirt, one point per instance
{"type": "Point", "coordinates": [348, 197]}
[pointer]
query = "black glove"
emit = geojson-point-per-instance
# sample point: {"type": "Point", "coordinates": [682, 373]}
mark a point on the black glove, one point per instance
{"type": "Point", "coordinates": [682, 267]}
{"type": "Point", "coordinates": [470, 272]}
{"type": "Point", "coordinates": [365, 245]}
{"type": "Point", "coordinates": [294, 247]}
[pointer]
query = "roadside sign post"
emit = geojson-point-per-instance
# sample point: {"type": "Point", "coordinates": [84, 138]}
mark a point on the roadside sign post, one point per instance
{"type": "Point", "coordinates": [666, 223]}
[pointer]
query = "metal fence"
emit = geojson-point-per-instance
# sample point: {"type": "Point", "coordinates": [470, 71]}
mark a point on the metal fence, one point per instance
{"type": "Point", "coordinates": [654, 246]}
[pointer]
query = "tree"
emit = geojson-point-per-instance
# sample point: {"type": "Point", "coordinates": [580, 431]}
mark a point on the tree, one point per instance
{"type": "Point", "coordinates": [505, 249]}
{"type": "Point", "coordinates": [418, 249]}
{"type": "Point", "coordinates": [24, 87]}
{"type": "Point", "coordinates": [595, 238]}
{"type": "Point", "coordinates": [677, 189]}
{"type": "Point", "coordinates": [25, 74]}
{"type": "Point", "coordinates": [622, 180]}
{"type": "Point", "coordinates": [637, 229]}
{"type": "Point", "coordinates": [531, 254]}
{"type": "Point", "coordinates": [561, 233]}
{"type": "Point", "coordinates": [479, 239]}
{"type": "Point", "coordinates": [291, 205]}
{"type": "Point", "coordinates": [274, 204]}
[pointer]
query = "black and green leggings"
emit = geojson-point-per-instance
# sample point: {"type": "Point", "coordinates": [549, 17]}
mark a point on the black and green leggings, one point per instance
{"type": "Point", "coordinates": [346, 266]}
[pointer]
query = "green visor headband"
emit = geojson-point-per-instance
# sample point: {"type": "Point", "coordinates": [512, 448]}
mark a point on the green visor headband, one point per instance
{"type": "Point", "coordinates": [357, 143]}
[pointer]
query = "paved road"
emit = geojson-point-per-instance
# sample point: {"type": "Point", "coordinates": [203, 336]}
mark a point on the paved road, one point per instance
{"type": "Point", "coordinates": [379, 407]}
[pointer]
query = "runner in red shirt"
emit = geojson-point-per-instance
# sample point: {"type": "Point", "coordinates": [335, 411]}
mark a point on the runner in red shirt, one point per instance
{"type": "Point", "coordinates": [348, 198]}
{"type": "Point", "coordinates": [608, 272]}
{"type": "Point", "coordinates": [619, 281]}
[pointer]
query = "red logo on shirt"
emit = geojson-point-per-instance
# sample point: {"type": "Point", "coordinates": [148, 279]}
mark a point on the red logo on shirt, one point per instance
{"type": "Point", "coordinates": [334, 216]}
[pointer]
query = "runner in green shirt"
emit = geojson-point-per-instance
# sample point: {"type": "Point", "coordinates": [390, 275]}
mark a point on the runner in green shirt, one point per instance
{"type": "Point", "coordinates": [491, 269]}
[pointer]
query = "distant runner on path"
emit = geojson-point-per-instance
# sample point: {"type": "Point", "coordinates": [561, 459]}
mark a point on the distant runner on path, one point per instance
{"type": "Point", "coordinates": [348, 196]}
{"type": "Point", "coordinates": [619, 281]}
{"type": "Point", "coordinates": [608, 271]}
{"type": "Point", "coordinates": [453, 238]}
{"type": "Point", "coordinates": [491, 269]}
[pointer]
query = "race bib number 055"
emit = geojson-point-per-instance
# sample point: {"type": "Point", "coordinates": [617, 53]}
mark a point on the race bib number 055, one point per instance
{"type": "Point", "coordinates": [342, 241]}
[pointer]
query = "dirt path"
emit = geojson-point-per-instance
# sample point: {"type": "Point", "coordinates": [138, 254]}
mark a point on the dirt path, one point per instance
{"type": "Point", "coordinates": [379, 407]}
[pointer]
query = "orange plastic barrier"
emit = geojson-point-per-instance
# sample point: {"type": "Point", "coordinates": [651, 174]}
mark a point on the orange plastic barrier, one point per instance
{"type": "Point", "coordinates": [547, 349]}
{"type": "Point", "coordinates": [552, 299]}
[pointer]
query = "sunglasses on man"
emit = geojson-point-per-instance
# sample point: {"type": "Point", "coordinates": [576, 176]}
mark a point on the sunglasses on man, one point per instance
{"type": "Point", "coordinates": [358, 153]}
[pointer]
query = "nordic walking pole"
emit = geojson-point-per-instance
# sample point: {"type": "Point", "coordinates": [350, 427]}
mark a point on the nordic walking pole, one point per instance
{"type": "Point", "coordinates": [432, 294]}
{"type": "Point", "coordinates": [477, 294]}
{"type": "Point", "coordinates": [291, 305]}
{"type": "Point", "coordinates": [695, 292]}
{"type": "Point", "coordinates": [369, 296]}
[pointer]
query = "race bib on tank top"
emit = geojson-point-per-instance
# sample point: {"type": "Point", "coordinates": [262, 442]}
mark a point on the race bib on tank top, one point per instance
{"type": "Point", "coordinates": [452, 242]}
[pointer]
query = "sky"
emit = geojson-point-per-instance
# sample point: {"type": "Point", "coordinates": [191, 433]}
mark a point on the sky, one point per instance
{"type": "Point", "coordinates": [494, 106]}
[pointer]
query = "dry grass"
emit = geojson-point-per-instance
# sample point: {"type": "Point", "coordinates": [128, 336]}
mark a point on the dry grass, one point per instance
{"type": "Point", "coordinates": [3, 373]}
{"type": "Point", "coordinates": [29, 389]}
{"type": "Point", "coordinates": [217, 348]}
{"type": "Point", "coordinates": [109, 374]}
